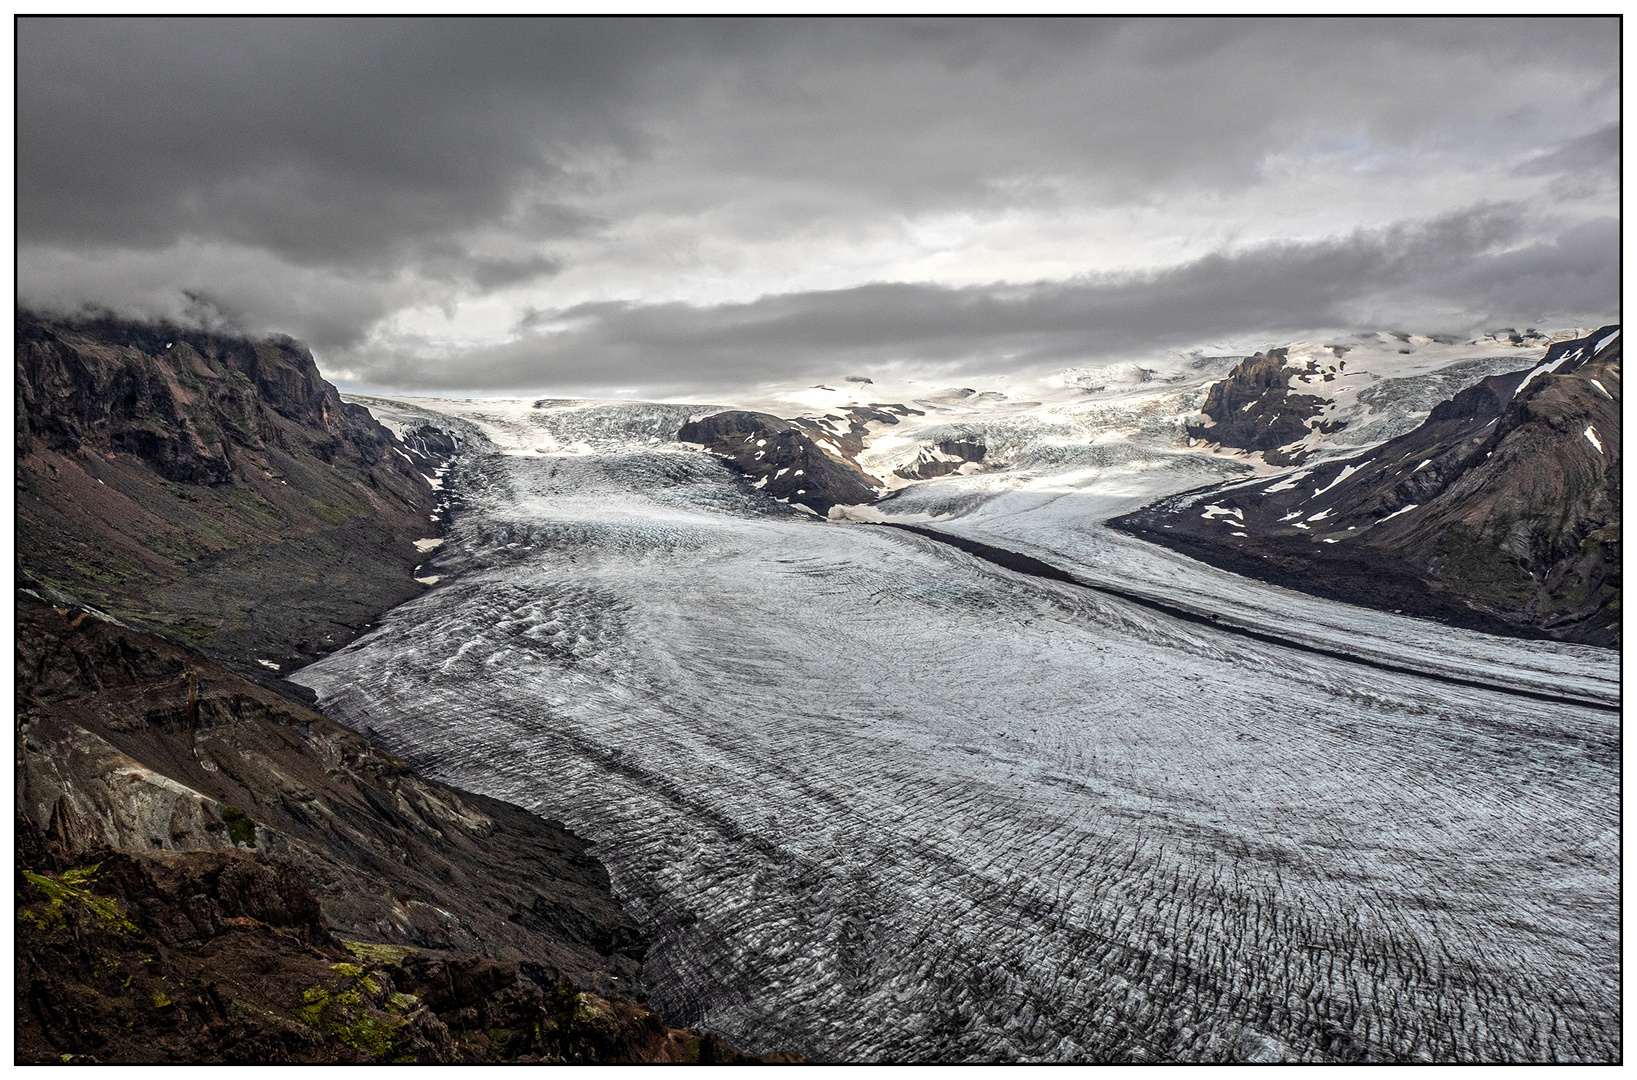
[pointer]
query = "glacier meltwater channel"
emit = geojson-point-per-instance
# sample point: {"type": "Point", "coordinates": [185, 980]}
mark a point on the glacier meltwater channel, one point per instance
{"type": "Point", "coordinates": [877, 799]}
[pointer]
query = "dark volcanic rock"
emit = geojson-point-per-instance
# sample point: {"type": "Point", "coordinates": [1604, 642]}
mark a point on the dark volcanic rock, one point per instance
{"type": "Point", "coordinates": [128, 741]}
{"type": "Point", "coordinates": [1253, 409]}
{"type": "Point", "coordinates": [944, 457]}
{"type": "Point", "coordinates": [209, 487]}
{"type": "Point", "coordinates": [786, 458]}
{"type": "Point", "coordinates": [224, 957]}
{"type": "Point", "coordinates": [1501, 512]}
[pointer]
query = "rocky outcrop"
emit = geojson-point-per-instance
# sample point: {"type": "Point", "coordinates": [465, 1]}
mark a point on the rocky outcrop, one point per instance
{"type": "Point", "coordinates": [224, 957]}
{"type": "Point", "coordinates": [789, 461]}
{"type": "Point", "coordinates": [211, 488]}
{"type": "Point", "coordinates": [1254, 408]}
{"type": "Point", "coordinates": [1500, 512]}
{"type": "Point", "coordinates": [130, 742]}
{"type": "Point", "coordinates": [944, 457]}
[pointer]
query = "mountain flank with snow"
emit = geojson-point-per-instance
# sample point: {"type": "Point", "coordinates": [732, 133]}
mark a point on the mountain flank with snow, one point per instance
{"type": "Point", "coordinates": [1500, 512]}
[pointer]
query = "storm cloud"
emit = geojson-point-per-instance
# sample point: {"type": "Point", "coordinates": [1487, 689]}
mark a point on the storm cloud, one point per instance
{"type": "Point", "coordinates": [1444, 276]}
{"type": "Point", "coordinates": [665, 204]}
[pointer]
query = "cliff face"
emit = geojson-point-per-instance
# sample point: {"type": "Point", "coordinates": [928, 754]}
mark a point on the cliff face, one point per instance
{"type": "Point", "coordinates": [1254, 408]}
{"type": "Point", "coordinates": [212, 488]}
{"type": "Point", "coordinates": [1500, 512]}
{"type": "Point", "coordinates": [789, 460]}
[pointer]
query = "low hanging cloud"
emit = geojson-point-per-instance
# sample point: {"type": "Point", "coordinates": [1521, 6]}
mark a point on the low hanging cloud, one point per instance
{"type": "Point", "coordinates": [475, 204]}
{"type": "Point", "coordinates": [1456, 274]}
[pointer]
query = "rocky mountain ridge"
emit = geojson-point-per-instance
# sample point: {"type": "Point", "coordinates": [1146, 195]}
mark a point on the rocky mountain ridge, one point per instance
{"type": "Point", "coordinates": [795, 461]}
{"type": "Point", "coordinates": [211, 488]}
{"type": "Point", "coordinates": [226, 957]}
{"type": "Point", "coordinates": [1500, 512]}
{"type": "Point", "coordinates": [1311, 400]}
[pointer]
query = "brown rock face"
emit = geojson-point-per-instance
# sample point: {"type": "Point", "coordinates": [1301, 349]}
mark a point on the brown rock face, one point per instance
{"type": "Point", "coordinates": [1253, 409]}
{"type": "Point", "coordinates": [789, 458]}
{"type": "Point", "coordinates": [1500, 512]}
{"type": "Point", "coordinates": [130, 742]}
{"type": "Point", "coordinates": [209, 487]}
{"type": "Point", "coordinates": [224, 956]}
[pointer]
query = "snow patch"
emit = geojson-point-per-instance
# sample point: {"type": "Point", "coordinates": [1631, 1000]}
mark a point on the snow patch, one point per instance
{"type": "Point", "coordinates": [1346, 471]}
{"type": "Point", "coordinates": [427, 544]}
{"type": "Point", "coordinates": [1287, 483]}
{"type": "Point", "coordinates": [1591, 437]}
{"type": "Point", "coordinates": [1395, 513]}
{"type": "Point", "coordinates": [267, 663]}
{"type": "Point", "coordinates": [1539, 370]}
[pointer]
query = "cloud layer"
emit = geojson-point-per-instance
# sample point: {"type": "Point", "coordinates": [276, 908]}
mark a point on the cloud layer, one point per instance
{"type": "Point", "coordinates": [666, 204]}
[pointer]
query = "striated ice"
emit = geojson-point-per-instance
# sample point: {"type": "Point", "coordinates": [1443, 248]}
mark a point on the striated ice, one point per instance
{"type": "Point", "coordinates": [876, 799]}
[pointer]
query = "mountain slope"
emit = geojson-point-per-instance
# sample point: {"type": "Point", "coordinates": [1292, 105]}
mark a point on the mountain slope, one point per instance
{"type": "Point", "coordinates": [224, 956]}
{"type": "Point", "coordinates": [1500, 512]}
{"type": "Point", "coordinates": [1308, 400]}
{"type": "Point", "coordinates": [131, 742]}
{"type": "Point", "coordinates": [212, 488]}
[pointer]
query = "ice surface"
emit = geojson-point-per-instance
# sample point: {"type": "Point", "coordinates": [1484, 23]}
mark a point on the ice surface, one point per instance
{"type": "Point", "coordinates": [878, 799]}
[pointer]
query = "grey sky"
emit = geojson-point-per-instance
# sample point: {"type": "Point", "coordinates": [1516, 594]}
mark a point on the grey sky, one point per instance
{"type": "Point", "coordinates": [663, 206]}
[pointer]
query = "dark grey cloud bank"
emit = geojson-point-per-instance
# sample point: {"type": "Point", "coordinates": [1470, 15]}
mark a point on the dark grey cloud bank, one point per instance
{"type": "Point", "coordinates": [326, 177]}
{"type": "Point", "coordinates": [1445, 276]}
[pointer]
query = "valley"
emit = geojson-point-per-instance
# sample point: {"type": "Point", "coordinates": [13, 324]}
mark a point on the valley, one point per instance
{"type": "Point", "coordinates": [877, 798]}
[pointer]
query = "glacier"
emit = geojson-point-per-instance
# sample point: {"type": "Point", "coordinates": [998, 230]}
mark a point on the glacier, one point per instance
{"type": "Point", "coordinates": [878, 799]}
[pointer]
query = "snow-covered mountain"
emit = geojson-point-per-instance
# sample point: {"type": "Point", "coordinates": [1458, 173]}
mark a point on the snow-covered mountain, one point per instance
{"type": "Point", "coordinates": [1317, 400]}
{"type": "Point", "coordinates": [1501, 510]}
